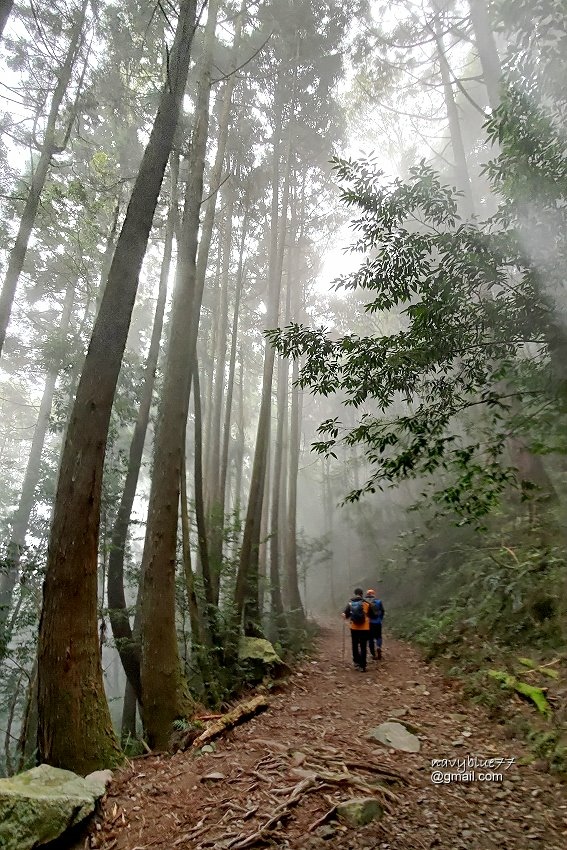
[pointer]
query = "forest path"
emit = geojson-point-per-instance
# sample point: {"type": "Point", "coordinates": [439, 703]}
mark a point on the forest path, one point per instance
{"type": "Point", "coordinates": [321, 717]}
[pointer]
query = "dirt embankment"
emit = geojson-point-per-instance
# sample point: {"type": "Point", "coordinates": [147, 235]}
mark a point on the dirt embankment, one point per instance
{"type": "Point", "coordinates": [276, 779]}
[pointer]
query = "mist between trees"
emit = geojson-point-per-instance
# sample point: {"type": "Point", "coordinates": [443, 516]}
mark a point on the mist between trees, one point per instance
{"type": "Point", "coordinates": [176, 470]}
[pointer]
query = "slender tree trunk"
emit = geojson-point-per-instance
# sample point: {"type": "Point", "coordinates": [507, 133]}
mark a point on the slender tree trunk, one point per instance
{"type": "Point", "coordinates": [5, 10]}
{"type": "Point", "coordinates": [461, 169]}
{"type": "Point", "coordinates": [200, 497]}
{"type": "Point", "coordinates": [246, 591]}
{"type": "Point", "coordinates": [48, 149]}
{"type": "Point", "coordinates": [198, 631]}
{"type": "Point", "coordinates": [164, 693]}
{"type": "Point", "coordinates": [8, 722]}
{"type": "Point", "coordinates": [239, 453]}
{"type": "Point", "coordinates": [206, 377]}
{"type": "Point", "coordinates": [75, 731]}
{"type": "Point", "coordinates": [216, 500]}
{"type": "Point", "coordinates": [296, 613]}
{"type": "Point", "coordinates": [22, 516]}
{"type": "Point", "coordinates": [263, 542]}
{"type": "Point", "coordinates": [232, 362]}
{"type": "Point", "coordinates": [27, 742]}
{"type": "Point", "coordinates": [487, 51]}
{"type": "Point", "coordinates": [129, 649]}
{"type": "Point", "coordinates": [222, 138]}
{"type": "Point", "coordinates": [276, 603]}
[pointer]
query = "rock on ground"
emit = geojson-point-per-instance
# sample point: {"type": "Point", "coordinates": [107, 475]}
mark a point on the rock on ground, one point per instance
{"type": "Point", "coordinates": [359, 811]}
{"type": "Point", "coordinates": [40, 804]}
{"type": "Point", "coordinates": [395, 735]}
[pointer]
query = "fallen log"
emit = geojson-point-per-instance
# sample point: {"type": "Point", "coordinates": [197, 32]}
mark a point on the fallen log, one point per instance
{"type": "Point", "coordinates": [241, 712]}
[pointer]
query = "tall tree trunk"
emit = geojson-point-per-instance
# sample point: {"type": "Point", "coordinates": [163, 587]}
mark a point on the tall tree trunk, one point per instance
{"type": "Point", "coordinates": [487, 51]}
{"type": "Point", "coordinates": [296, 614]}
{"type": "Point", "coordinates": [200, 498]}
{"type": "Point", "coordinates": [206, 376]}
{"type": "Point", "coordinates": [31, 476]}
{"type": "Point", "coordinates": [462, 178]}
{"type": "Point", "coordinates": [239, 452]}
{"type": "Point", "coordinates": [222, 138]}
{"type": "Point", "coordinates": [49, 147]}
{"type": "Point", "coordinates": [75, 731]}
{"type": "Point", "coordinates": [198, 631]}
{"type": "Point", "coordinates": [216, 499]}
{"type": "Point", "coordinates": [127, 647]}
{"type": "Point", "coordinates": [263, 542]}
{"type": "Point", "coordinates": [276, 603]}
{"type": "Point", "coordinates": [5, 10]}
{"type": "Point", "coordinates": [232, 362]}
{"type": "Point", "coordinates": [246, 591]}
{"type": "Point", "coordinates": [164, 694]}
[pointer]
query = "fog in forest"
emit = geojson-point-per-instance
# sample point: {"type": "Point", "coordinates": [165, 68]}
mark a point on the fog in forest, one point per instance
{"type": "Point", "coordinates": [382, 188]}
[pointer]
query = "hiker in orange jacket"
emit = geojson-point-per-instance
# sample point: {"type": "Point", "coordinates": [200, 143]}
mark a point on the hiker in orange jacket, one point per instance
{"type": "Point", "coordinates": [358, 612]}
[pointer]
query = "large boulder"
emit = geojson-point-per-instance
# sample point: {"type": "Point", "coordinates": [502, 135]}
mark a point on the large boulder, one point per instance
{"type": "Point", "coordinates": [40, 804]}
{"type": "Point", "coordinates": [259, 659]}
{"type": "Point", "coordinates": [257, 649]}
{"type": "Point", "coordinates": [396, 736]}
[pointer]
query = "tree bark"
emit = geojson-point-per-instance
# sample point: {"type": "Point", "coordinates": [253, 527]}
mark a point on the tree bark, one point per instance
{"type": "Point", "coordinates": [232, 362]}
{"type": "Point", "coordinates": [487, 51]}
{"type": "Point", "coordinates": [48, 149]}
{"type": "Point", "coordinates": [199, 496]}
{"type": "Point", "coordinates": [240, 444]}
{"type": "Point", "coordinates": [127, 647]}
{"type": "Point", "coordinates": [75, 731]}
{"type": "Point", "coordinates": [263, 543]}
{"type": "Point", "coordinates": [216, 498]}
{"type": "Point", "coordinates": [293, 600]}
{"type": "Point", "coordinates": [197, 629]}
{"type": "Point", "coordinates": [296, 613]}
{"type": "Point", "coordinates": [276, 602]}
{"type": "Point", "coordinates": [164, 693]}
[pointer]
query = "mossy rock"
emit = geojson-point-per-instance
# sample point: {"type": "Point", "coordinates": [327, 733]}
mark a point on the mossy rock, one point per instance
{"type": "Point", "coordinates": [359, 811]}
{"type": "Point", "coordinates": [536, 695]}
{"type": "Point", "coordinates": [39, 805]}
{"type": "Point", "coordinates": [258, 650]}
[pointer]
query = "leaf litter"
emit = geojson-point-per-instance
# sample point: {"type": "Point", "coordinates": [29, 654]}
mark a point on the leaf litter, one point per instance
{"type": "Point", "coordinates": [278, 779]}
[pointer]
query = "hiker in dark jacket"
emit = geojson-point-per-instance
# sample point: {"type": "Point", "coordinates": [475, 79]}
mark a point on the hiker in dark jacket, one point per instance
{"type": "Point", "coordinates": [357, 611]}
{"type": "Point", "coordinates": [376, 616]}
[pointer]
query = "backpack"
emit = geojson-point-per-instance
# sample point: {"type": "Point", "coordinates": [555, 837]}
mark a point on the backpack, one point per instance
{"type": "Point", "coordinates": [376, 609]}
{"type": "Point", "coordinates": [357, 615]}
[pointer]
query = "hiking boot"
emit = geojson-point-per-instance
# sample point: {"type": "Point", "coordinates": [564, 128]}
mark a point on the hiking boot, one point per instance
{"type": "Point", "coordinates": [379, 654]}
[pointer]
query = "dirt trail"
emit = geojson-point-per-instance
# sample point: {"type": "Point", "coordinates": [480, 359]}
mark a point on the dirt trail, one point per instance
{"type": "Point", "coordinates": [319, 723]}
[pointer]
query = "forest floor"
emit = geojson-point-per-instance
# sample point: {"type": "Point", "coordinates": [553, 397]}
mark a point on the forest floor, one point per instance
{"type": "Point", "coordinates": [310, 750]}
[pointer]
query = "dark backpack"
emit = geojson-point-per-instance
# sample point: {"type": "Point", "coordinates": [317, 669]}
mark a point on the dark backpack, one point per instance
{"type": "Point", "coordinates": [376, 608]}
{"type": "Point", "coordinates": [357, 612]}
